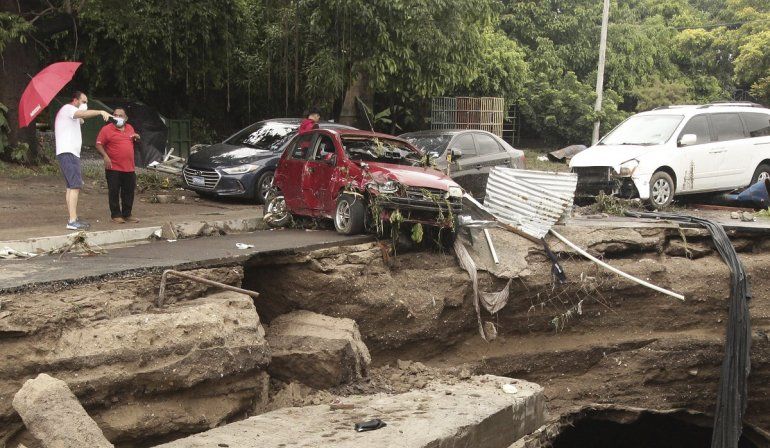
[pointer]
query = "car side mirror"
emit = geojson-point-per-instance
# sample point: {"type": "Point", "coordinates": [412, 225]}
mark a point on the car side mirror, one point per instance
{"type": "Point", "coordinates": [455, 153]}
{"type": "Point", "coordinates": [688, 139]}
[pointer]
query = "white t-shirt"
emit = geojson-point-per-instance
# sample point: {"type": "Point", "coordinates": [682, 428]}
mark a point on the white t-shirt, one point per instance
{"type": "Point", "coordinates": [67, 131]}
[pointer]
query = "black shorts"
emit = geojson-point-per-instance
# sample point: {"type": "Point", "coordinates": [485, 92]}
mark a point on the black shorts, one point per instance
{"type": "Point", "coordinates": [70, 168]}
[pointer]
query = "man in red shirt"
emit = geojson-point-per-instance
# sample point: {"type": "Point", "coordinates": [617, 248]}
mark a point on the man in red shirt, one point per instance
{"type": "Point", "coordinates": [115, 143]}
{"type": "Point", "coordinates": [311, 122]}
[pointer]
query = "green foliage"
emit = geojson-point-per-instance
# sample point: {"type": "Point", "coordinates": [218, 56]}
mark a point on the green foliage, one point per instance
{"type": "Point", "coordinates": [233, 61]}
{"type": "Point", "coordinates": [12, 27]}
{"type": "Point", "coordinates": [661, 93]}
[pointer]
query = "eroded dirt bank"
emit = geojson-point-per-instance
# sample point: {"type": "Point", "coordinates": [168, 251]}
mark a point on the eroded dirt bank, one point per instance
{"type": "Point", "coordinates": [148, 375]}
{"type": "Point", "coordinates": [597, 339]}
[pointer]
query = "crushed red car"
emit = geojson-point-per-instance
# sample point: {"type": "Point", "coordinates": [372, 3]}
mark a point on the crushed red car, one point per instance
{"type": "Point", "coordinates": [363, 181]}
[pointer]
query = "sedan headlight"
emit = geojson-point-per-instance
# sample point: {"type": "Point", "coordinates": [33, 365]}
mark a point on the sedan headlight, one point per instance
{"type": "Point", "coordinates": [241, 169]}
{"type": "Point", "coordinates": [627, 168]}
{"type": "Point", "coordinates": [388, 187]}
{"type": "Point", "coordinates": [455, 192]}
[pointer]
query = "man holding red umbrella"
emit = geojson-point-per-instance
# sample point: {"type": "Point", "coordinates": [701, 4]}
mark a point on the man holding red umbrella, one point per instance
{"type": "Point", "coordinates": [68, 143]}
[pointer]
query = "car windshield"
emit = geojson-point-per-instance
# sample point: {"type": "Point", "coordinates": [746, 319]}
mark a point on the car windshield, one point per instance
{"type": "Point", "coordinates": [643, 130]}
{"type": "Point", "coordinates": [373, 149]}
{"type": "Point", "coordinates": [267, 135]}
{"type": "Point", "coordinates": [435, 143]}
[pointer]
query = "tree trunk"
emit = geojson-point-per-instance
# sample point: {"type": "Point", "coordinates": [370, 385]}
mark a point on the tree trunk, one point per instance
{"type": "Point", "coordinates": [17, 65]}
{"type": "Point", "coordinates": [359, 88]}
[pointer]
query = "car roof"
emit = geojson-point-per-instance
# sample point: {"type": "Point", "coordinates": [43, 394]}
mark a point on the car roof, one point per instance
{"type": "Point", "coordinates": [693, 109]}
{"type": "Point", "coordinates": [436, 132]}
{"type": "Point", "coordinates": [298, 121]}
{"type": "Point", "coordinates": [353, 132]}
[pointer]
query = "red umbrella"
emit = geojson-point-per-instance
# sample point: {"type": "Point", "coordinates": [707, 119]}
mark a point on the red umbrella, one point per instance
{"type": "Point", "coordinates": [43, 88]}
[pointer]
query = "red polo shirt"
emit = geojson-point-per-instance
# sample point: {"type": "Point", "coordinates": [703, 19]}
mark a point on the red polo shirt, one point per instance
{"type": "Point", "coordinates": [119, 146]}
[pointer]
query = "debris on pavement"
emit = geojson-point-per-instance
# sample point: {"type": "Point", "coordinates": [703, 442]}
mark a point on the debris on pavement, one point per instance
{"type": "Point", "coordinates": [510, 389]}
{"type": "Point", "coordinates": [53, 414]}
{"type": "Point", "coordinates": [371, 425]}
{"type": "Point", "coordinates": [243, 246]}
{"type": "Point", "coordinates": [8, 253]}
{"type": "Point", "coordinates": [78, 240]}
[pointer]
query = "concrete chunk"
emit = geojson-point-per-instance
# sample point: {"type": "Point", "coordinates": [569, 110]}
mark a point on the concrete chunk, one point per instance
{"type": "Point", "coordinates": [53, 414]}
{"type": "Point", "coordinates": [316, 350]}
{"type": "Point", "coordinates": [475, 413]}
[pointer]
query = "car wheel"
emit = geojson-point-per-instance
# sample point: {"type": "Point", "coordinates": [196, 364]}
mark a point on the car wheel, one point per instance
{"type": "Point", "coordinates": [761, 174]}
{"type": "Point", "coordinates": [350, 214]}
{"type": "Point", "coordinates": [662, 189]}
{"type": "Point", "coordinates": [276, 214]}
{"type": "Point", "coordinates": [262, 186]}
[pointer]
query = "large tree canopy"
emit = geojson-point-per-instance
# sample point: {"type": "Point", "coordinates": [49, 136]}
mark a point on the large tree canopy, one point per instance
{"type": "Point", "coordinates": [229, 62]}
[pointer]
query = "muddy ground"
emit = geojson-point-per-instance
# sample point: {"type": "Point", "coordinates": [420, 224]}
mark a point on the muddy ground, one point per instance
{"type": "Point", "coordinates": [37, 202]}
{"type": "Point", "coordinates": [596, 340]}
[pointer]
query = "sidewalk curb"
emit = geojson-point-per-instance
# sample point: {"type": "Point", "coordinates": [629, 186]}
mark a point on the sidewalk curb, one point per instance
{"type": "Point", "coordinates": [107, 238]}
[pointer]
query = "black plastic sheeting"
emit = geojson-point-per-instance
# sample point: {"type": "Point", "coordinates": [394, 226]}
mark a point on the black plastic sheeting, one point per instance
{"type": "Point", "coordinates": [149, 124]}
{"type": "Point", "coordinates": [736, 364]}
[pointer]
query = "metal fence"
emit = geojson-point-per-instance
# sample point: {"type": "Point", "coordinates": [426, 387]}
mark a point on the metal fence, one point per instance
{"type": "Point", "coordinates": [485, 113]}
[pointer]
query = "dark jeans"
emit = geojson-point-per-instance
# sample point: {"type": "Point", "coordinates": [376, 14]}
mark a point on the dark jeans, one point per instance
{"type": "Point", "coordinates": [121, 188]}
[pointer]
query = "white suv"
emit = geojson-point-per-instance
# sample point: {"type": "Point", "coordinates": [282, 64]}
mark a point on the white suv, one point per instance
{"type": "Point", "coordinates": [678, 150]}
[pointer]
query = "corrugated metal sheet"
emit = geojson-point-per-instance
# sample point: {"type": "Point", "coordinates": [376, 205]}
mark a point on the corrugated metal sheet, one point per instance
{"type": "Point", "coordinates": [530, 200]}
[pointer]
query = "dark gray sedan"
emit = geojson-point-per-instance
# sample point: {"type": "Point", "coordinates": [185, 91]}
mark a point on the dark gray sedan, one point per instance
{"type": "Point", "coordinates": [243, 165]}
{"type": "Point", "coordinates": [480, 150]}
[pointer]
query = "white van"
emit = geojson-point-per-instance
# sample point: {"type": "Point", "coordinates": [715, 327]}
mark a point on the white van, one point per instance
{"type": "Point", "coordinates": [678, 150]}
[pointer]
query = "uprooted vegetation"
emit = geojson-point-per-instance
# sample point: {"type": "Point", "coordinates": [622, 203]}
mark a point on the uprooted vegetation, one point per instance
{"type": "Point", "coordinates": [147, 374]}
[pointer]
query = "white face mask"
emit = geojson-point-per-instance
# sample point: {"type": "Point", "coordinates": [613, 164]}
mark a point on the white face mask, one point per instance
{"type": "Point", "coordinates": [83, 106]}
{"type": "Point", "coordinates": [119, 122]}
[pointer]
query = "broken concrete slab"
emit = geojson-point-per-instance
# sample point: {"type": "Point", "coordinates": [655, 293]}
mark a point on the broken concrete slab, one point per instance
{"type": "Point", "coordinates": [476, 413]}
{"type": "Point", "coordinates": [209, 350]}
{"type": "Point", "coordinates": [316, 350]}
{"type": "Point", "coordinates": [54, 416]}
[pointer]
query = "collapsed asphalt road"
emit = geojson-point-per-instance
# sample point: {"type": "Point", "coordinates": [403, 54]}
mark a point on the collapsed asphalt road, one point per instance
{"type": "Point", "coordinates": [159, 255]}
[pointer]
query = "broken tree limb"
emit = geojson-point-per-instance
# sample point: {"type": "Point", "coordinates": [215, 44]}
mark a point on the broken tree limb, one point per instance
{"type": "Point", "coordinates": [615, 270]}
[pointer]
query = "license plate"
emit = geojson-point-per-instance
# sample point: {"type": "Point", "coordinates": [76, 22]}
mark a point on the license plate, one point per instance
{"type": "Point", "coordinates": [198, 181]}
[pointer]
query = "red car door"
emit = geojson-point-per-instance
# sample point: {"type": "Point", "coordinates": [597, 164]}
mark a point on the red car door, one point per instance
{"type": "Point", "coordinates": [291, 173]}
{"type": "Point", "coordinates": [317, 177]}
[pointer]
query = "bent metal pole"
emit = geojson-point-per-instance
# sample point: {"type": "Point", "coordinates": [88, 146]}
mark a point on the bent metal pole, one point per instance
{"type": "Point", "coordinates": [195, 278]}
{"type": "Point", "coordinates": [615, 270]}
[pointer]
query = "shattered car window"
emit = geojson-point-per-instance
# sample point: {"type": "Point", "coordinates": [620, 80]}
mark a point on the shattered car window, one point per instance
{"type": "Point", "coordinates": [436, 143]}
{"type": "Point", "coordinates": [373, 149]}
{"type": "Point", "coordinates": [269, 135]}
{"type": "Point", "coordinates": [643, 130]}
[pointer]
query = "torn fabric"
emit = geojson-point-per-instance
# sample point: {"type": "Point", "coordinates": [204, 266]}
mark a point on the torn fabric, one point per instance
{"type": "Point", "coordinates": [492, 301]}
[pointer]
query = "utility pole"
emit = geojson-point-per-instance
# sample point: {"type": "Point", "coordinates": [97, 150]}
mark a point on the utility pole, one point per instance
{"type": "Point", "coordinates": [600, 71]}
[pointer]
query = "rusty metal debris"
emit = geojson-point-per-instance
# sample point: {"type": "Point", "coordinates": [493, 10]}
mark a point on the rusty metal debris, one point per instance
{"type": "Point", "coordinates": [195, 278]}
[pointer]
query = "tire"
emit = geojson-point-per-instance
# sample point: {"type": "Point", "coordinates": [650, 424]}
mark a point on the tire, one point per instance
{"type": "Point", "coordinates": [275, 211]}
{"type": "Point", "coordinates": [349, 215]}
{"type": "Point", "coordinates": [262, 186]}
{"type": "Point", "coordinates": [662, 189]}
{"type": "Point", "coordinates": [761, 173]}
